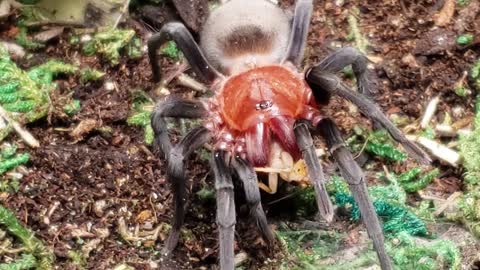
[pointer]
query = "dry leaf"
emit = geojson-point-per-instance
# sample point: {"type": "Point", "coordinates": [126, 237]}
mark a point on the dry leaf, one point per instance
{"type": "Point", "coordinates": [143, 216]}
{"type": "Point", "coordinates": [83, 128]}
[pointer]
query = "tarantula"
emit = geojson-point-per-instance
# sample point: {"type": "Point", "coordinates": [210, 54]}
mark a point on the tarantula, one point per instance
{"type": "Point", "coordinates": [249, 54]}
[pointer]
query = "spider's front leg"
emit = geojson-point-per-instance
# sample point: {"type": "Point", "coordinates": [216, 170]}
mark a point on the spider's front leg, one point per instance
{"type": "Point", "coordinates": [355, 178]}
{"type": "Point", "coordinates": [344, 57]}
{"type": "Point", "coordinates": [178, 154]}
{"type": "Point", "coordinates": [315, 172]}
{"type": "Point", "coordinates": [186, 43]}
{"type": "Point", "coordinates": [322, 82]}
{"type": "Point", "coordinates": [176, 175]}
{"type": "Point", "coordinates": [176, 108]}
{"type": "Point", "coordinates": [225, 209]}
{"type": "Point", "coordinates": [250, 185]}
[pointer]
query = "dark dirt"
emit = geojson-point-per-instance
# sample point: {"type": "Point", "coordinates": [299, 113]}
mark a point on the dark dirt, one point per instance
{"type": "Point", "coordinates": [110, 174]}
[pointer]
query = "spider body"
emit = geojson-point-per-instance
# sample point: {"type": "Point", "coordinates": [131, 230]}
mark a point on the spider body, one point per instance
{"type": "Point", "coordinates": [250, 55]}
{"type": "Point", "coordinates": [258, 106]}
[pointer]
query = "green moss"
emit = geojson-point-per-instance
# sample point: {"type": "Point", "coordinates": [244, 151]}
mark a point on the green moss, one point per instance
{"type": "Point", "coordinates": [25, 41]}
{"type": "Point", "coordinates": [412, 181]}
{"type": "Point", "coordinates": [110, 42]}
{"type": "Point", "coordinates": [31, 244]}
{"type": "Point", "coordinates": [13, 162]}
{"type": "Point", "coordinates": [428, 133]}
{"type": "Point", "coordinates": [389, 202]}
{"type": "Point", "coordinates": [26, 93]}
{"type": "Point", "coordinates": [72, 107]}
{"type": "Point", "coordinates": [407, 254]}
{"type": "Point", "coordinates": [464, 39]}
{"type": "Point", "coordinates": [45, 73]}
{"type": "Point", "coordinates": [469, 147]}
{"type": "Point", "coordinates": [377, 143]}
{"type": "Point", "coordinates": [170, 50]}
{"type": "Point", "coordinates": [475, 75]}
{"type": "Point", "coordinates": [140, 114]}
{"type": "Point", "coordinates": [90, 74]}
{"type": "Point", "coordinates": [206, 194]}
{"type": "Point", "coordinates": [320, 244]}
{"type": "Point", "coordinates": [27, 261]}
{"type": "Point", "coordinates": [77, 259]}
{"type": "Point", "coordinates": [355, 35]}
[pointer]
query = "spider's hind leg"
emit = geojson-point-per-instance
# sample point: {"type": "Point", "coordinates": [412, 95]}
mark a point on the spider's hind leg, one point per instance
{"type": "Point", "coordinates": [353, 174]}
{"type": "Point", "coordinates": [179, 33]}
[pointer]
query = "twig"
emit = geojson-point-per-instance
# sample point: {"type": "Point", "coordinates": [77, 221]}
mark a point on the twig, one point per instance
{"type": "Point", "coordinates": [23, 133]}
{"type": "Point", "coordinates": [430, 112]}
{"type": "Point", "coordinates": [440, 151]}
{"type": "Point", "coordinates": [187, 81]}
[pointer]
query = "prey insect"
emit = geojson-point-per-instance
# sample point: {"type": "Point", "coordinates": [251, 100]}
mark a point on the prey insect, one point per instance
{"type": "Point", "coordinates": [249, 54]}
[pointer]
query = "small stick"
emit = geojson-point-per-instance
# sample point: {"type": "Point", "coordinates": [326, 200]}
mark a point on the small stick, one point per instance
{"type": "Point", "coordinates": [23, 133]}
{"type": "Point", "coordinates": [190, 82]}
{"type": "Point", "coordinates": [440, 151]}
{"type": "Point", "coordinates": [430, 112]}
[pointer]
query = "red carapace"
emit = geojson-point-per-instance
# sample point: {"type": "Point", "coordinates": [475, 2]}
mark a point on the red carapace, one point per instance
{"type": "Point", "coordinates": [260, 105]}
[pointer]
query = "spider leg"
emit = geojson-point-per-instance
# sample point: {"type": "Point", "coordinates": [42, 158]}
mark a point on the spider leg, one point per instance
{"type": "Point", "coordinates": [356, 180]}
{"type": "Point", "coordinates": [343, 57]}
{"type": "Point", "coordinates": [172, 107]}
{"type": "Point", "coordinates": [250, 185]}
{"type": "Point", "coordinates": [225, 209]}
{"type": "Point", "coordinates": [315, 172]}
{"type": "Point", "coordinates": [186, 43]}
{"type": "Point", "coordinates": [176, 175]}
{"type": "Point", "coordinates": [325, 81]}
{"type": "Point", "coordinates": [298, 36]}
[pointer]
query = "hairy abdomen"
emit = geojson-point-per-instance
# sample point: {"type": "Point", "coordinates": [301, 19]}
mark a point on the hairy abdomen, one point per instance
{"type": "Point", "coordinates": [244, 32]}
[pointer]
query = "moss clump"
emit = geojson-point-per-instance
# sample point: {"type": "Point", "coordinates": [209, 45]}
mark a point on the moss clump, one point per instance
{"type": "Point", "coordinates": [26, 94]}
{"type": "Point", "coordinates": [110, 42]}
{"type": "Point", "coordinates": [377, 143]}
{"type": "Point", "coordinates": [170, 50]}
{"type": "Point", "coordinates": [409, 254]}
{"type": "Point", "coordinates": [464, 39]}
{"type": "Point", "coordinates": [140, 115]}
{"type": "Point", "coordinates": [32, 245]}
{"type": "Point", "coordinates": [475, 75]}
{"type": "Point", "coordinates": [72, 107]}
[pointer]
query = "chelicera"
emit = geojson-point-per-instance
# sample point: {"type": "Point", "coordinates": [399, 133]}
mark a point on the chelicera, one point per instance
{"type": "Point", "coordinates": [249, 54]}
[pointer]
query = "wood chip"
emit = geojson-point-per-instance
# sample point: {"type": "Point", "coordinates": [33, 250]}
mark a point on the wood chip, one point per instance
{"type": "Point", "coordinates": [445, 15]}
{"type": "Point", "coordinates": [83, 128]}
{"type": "Point", "coordinates": [49, 34]}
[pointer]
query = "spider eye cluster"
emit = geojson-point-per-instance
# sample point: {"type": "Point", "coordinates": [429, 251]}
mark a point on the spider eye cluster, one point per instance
{"type": "Point", "coordinates": [263, 105]}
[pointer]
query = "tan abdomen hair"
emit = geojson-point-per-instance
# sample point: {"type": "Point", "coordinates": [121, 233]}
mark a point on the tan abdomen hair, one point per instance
{"type": "Point", "coordinates": [245, 29]}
